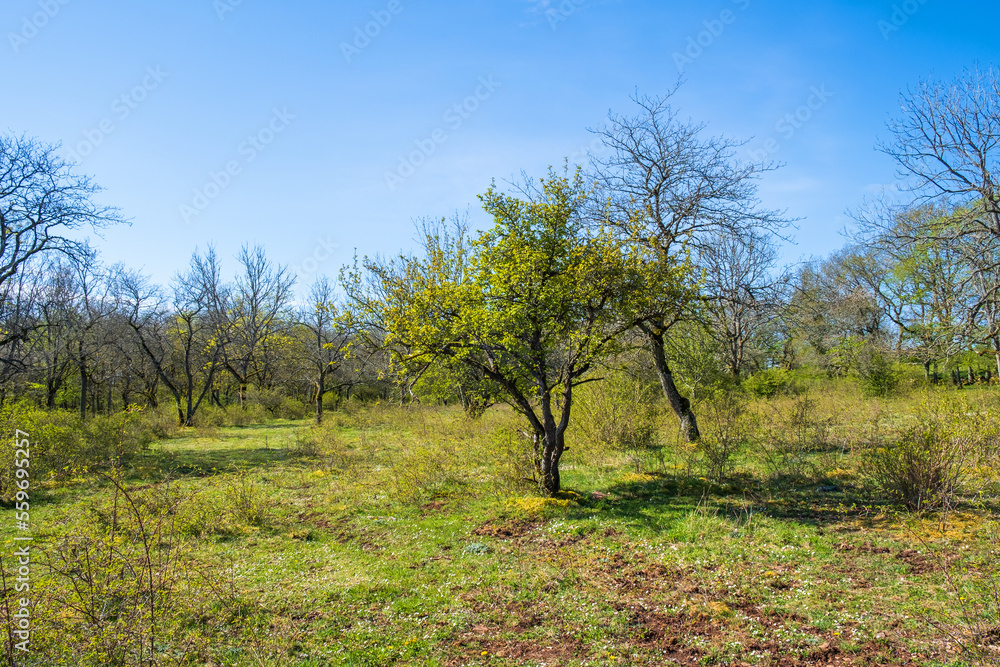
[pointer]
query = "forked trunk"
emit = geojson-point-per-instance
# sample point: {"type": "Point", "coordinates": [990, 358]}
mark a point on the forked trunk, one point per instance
{"type": "Point", "coordinates": [552, 449]}
{"type": "Point", "coordinates": [553, 439]}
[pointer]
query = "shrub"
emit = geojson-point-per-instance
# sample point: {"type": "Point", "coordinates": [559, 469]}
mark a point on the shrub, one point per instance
{"type": "Point", "coordinates": [211, 416]}
{"type": "Point", "coordinates": [619, 414]}
{"type": "Point", "coordinates": [293, 408]}
{"type": "Point", "coordinates": [124, 588]}
{"type": "Point", "coordinates": [923, 467]}
{"type": "Point", "coordinates": [876, 373]}
{"type": "Point", "coordinates": [511, 461]}
{"type": "Point", "coordinates": [768, 383]}
{"type": "Point", "coordinates": [794, 438]}
{"type": "Point", "coordinates": [245, 501]}
{"type": "Point", "coordinates": [62, 444]}
{"type": "Point", "coordinates": [731, 428]}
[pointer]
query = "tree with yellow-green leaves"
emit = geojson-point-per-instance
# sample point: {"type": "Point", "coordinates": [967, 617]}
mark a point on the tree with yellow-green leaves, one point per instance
{"type": "Point", "coordinates": [534, 304]}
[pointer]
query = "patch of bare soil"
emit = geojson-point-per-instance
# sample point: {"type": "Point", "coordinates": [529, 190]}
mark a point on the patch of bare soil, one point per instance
{"type": "Point", "coordinates": [551, 652]}
{"type": "Point", "coordinates": [509, 529]}
{"type": "Point", "coordinates": [433, 506]}
{"type": "Point", "coordinates": [917, 562]}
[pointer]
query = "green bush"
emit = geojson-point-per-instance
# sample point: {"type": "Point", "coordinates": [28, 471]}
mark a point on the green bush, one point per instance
{"type": "Point", "coordinates": [923, 467]}
{"type": "Point", "coordinates": [876, 374]}
{"type": "Point", "coordinates": [293, 408]}
{"type": "Point", "coordinates": [729, 427]}
{"type": "Point", "coordinates": [793, 440]}
{"type": "Point", "coordinates": [768, 383]}
{"type": "Point", "coordinates": [619, 414]}
{"type": "Point", "coordinates": [124, 588]}
{"type": "Point", "coordinates": [246, 501]}
{"type": "Point", "coordinates": [209, 416]}
{"type": "Point", "coordinates": [61, 444]}
{"type": "Point", "coordinates": [512, 466]}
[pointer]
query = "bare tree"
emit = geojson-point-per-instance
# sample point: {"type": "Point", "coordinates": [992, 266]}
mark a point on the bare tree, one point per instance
{"type": "Point", "coordinates": [261, 295]}
{"type": "Point", "coordinates": [41, 200]}
{"type": "Point", "coordinates": [93, 306]}
{"type": "Point", "coordinates": [947, 145]}
{"type": "Point", "coordinates": [19, 323]}
{"type": "Point", "coordinates": [52, 354]}
{"type": "Point", "coordinates": [329, 338]}
{"type": "Point", "coordinates": [183, 339]}
{"type": "Point", "coordinates": [744, 294]}
{"type": "Point", "coordinates": [984, 318]}
{"type": "Point", "coordinates": [674, 189]}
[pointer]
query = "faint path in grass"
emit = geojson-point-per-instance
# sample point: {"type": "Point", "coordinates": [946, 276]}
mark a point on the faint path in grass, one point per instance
{"type": "Point", "coordinates": [205, 452]}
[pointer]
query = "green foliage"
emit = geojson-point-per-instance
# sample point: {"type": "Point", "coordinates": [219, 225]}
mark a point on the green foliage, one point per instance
{"type": "Point", "coordinates": [923, 466]}
{"type": "Point", "coordinates": [511, 461]}
{"type": "Point", "coordinates": [733, 427]}
{"type": "Point", "coordinates": [794, 437]}
{"type": "Point", "coordinates": [876, 373]}
{"type": "Point", "coordinates": [246, 500]}
{"type": "Point", "coordinates": [111, 592]}
{"type": "Point", "coordinates": [697, 361]}
{"type": "Point", "coordinates": [768, 383]}
{"type": "Point", "coordinates": [63, 445]}
{"type": "Point", "coordinates": [620, 414]}
{"type": "Point", "coordinates": [530, 305]}
{"type": "Point", "coordinates": [233, 415]}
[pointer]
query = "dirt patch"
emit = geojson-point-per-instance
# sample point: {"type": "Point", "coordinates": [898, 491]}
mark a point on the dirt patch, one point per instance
{"type": "Point", "coordinates": [917, 562]}
{"type": "Point", "coordinates": [510, 529]}
{"type": "Point", "coordinates": [569, 540]}
{"type": "Point", "coordinates": [667, 632]}
{"type": "Point", "coordinates": [551, 652]}
{"type": "Point", "coordinates": [646, 579]}
{"type": "Point", "coordinates": [866, 548]}
{"type": "Point", "coordinates": [434, 506]}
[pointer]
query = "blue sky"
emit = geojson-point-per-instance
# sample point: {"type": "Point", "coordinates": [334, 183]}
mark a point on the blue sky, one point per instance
{"type": "Point", "coordinates": [285, 124]}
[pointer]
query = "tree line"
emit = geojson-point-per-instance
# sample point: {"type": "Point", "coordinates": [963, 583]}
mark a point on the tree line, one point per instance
{"type": "Point", "coordinates": [660, 253]}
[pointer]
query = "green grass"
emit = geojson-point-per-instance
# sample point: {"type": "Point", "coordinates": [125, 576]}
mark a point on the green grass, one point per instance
{"type": "Point", "coordinates": [404, 537]}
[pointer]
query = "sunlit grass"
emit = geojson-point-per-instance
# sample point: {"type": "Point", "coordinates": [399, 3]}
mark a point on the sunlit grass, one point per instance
{"type": "Point", "coordinates": [405, 536]}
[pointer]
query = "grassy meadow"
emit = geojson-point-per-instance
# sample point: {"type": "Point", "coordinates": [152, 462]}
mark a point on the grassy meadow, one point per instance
{"type": "Point", "coordinates": [414, 536]}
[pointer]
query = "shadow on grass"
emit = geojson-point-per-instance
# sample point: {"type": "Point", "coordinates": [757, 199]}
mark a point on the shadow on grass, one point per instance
{"type": "Point", "coordinates": [659, 499]}
{"type": "Point", "coordinates": [211, 453]}
{"type": "Point", "coordinates": [189, 463]}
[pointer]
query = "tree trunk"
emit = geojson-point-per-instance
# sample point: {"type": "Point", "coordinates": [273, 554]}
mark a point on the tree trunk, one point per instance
{"type": "Point", "coordinates": [51, 389]}
{"type": "Point", "coordinates": [320, 390]}
{"type": "Point", "coordinates": [553, 439]}
{"type": "Point", "coordinates": [552, 448]}
{"type": "Point", "coordinates": [681, 405]}
{"type": "Point", "coordinates": [927, 370]}
{"type": "Point", "coordinates": [84, 388]}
